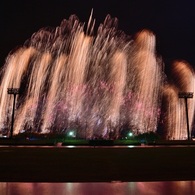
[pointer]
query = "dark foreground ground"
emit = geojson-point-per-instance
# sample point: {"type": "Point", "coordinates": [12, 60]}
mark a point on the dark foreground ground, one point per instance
{"type": "Point", "coordinates": [99, 164]}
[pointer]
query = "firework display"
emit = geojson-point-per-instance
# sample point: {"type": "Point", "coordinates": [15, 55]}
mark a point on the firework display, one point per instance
{"type": "Point", "coordinates": [95, 82]}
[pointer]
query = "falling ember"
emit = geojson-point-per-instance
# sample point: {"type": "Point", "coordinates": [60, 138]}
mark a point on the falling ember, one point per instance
{"type": "Point", "coordinates": [95, 84]}
{"type": "Point", "coordinates": [147, 83]}
{"type": "Point", "coordinates": [184, 81]}
{"type": "Point", "coordinates": [172, 112]}
{"type": "Point", "coordinates": [15, 68]}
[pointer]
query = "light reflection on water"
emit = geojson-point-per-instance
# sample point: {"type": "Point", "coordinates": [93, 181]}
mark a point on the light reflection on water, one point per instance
{"type": "Point", "coordinates": [113, 188]}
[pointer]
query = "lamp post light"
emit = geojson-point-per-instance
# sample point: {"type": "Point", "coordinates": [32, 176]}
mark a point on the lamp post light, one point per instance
{"type": "Point", "coordinates": [186, 95]}
{"type": "Point", "coordinates": [13, 91]}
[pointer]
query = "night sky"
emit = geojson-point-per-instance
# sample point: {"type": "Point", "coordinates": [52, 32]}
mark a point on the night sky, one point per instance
{"type": "Point", "coordinates": [173, 21]}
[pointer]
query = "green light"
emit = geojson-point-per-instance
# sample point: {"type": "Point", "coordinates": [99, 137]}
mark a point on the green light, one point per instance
{"type": "Point", "coordinates": [71, 134]}
{"type": "Point", "coordinates": [130, 134]}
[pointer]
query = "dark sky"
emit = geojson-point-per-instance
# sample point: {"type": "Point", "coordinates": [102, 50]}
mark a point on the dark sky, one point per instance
{"type": "Point", "coordinates": [173, 21]}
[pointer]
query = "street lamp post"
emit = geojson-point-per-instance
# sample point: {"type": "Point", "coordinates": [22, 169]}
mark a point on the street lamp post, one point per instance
{"type": "Point", "coordinates": [186, 95]}
{"type": "Point", "coordinates": [13, 91]}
